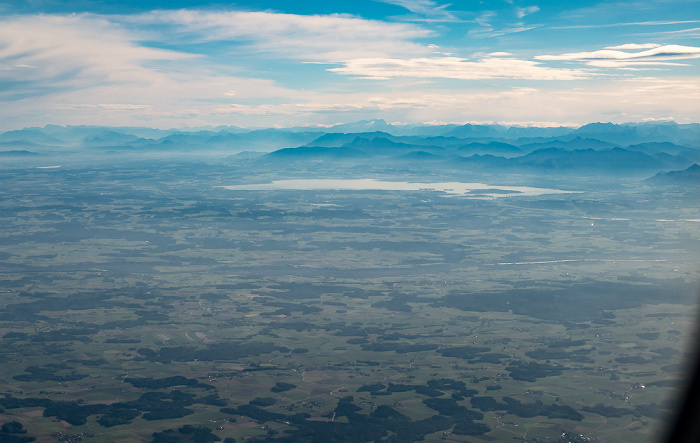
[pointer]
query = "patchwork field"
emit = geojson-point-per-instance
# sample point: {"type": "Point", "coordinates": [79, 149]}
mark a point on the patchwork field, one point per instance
{"type": "Point", "coordinates": [146, 301]}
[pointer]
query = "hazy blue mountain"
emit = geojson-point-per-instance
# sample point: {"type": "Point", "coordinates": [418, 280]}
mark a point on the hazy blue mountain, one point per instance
{"type": "Point", "coordinates": [570, 145]}
{"type": "Point", "coordinates": [515, 132]}
{"type": "Point", "coordinates": [383, 146]}
{"type": "Point", "coordinates": [494, 155]}
{"type": "Point", "coordinates": [32, 135]}
{"type": "Point", "coordinates": [21, 143]}
{"type": "Point", "coordinates": [316, 152]}
{"type": "Point", "coordinates": [440, 141]}
{"type": "Point", "coordinates": [634, 133]}
{"type": "Point", "coordinates": [672, 161]}
{"type": "Point", "coordinates": [258, 140]}
{"type": "Point", "coordinates": [261, 140]}
{"type": "Point", "coordinates": [233, 129]}
{"type": "Point", "coordinates": [487, 161]}
{"type": "Point", "coordinates": [244, 155]}
{"type": "Point", "coordinates": [340, 139]}
{"type": "Point", "coordinates": [178, 142]}
{"type": "Point", "coordinates": [660, 148]}
{"type": "Point", "coordinates": [504, 132]}
{"type": "Point", "coordinates": [493, 148]}
{"type": "Point", "coordinates": [612, 161]}
{"type": "Point", "coordinates": [477, 131]}
{"type": "Point", "coordinates": [360, 126]}
{"type": "Point", "coordinates": [616, 159]}
{"type": "Point", "coordinates": [646, 145]}
{"type": "Point", "coordinates": [335, 140]}
{"type": "Point", "coordinates": [153, 139]}
{"type": "Point", "coordinates": [109, 138]}
{"type": "Point", "coordinates": [423, 130]}
{"type": "Point", "coordinates": [79, 132]}
{"type": "Point", "coordinates": [656, 147]}
{"type": "Point", "coordinates": [689, 176]}
{"type": "Point", "coordinates": [496, 131]}
{"type": "Point", "coordinates": [420, 156]}
{"type": "Point", "coordinates": [19, 153]}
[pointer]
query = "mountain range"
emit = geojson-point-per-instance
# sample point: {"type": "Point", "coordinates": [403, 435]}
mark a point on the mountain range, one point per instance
{"type": "Point", "coordinates": [652, 147]}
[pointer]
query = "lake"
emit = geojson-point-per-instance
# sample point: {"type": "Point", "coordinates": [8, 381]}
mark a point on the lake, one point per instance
{"type": "Point", "coordinates": [477, 190]}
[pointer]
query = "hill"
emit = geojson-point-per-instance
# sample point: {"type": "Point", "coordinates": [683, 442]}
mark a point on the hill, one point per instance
{"type": "Point", "coordinates": [689, 176]}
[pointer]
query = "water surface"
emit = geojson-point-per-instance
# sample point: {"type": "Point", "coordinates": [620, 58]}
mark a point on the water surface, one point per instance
{"type": "Point", "coordinates": [479, 190]}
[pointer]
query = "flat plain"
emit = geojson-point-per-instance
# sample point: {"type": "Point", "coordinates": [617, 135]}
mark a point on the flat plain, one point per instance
{"type": "Point", "coordinates": [157, 300]}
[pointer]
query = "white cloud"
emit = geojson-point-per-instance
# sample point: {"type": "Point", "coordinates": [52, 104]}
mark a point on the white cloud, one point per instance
{"type": "Point", "coordinates": [108, 106]}
{"type": "Point", "coordinates": [625, 65]}
{"type": "Point", "coordinates": [486, 28]}
{"type": "Point", "coordinates": [658, 55]}
{"type": "Point", "coordinates": [529, 123]}
{"type": "Point", "coordinates": [426, 8]}
{"type": "Point", "coordinates": [68, 51]}
{"type": "Point", "coordinates": [490, 32]}
{"type": "Point", "coordinates": [82, 69]}
{"type": "Point", "coordinates": [455, 68]}
{"type": "Point", "coordinates": [614, 25]}
{"type": "Point", "coordinates": [484, 20]}
{"type": "Point", "coordinates": [691, 32]}
{"type": "Point", "coordinates": [79, 68]}
{"type": "Point", "coordinates": [294, 109]}
{"type": "Point", "coordinates": [522, 12]}
{"type": "Point", "coordinates": [617, 101]}
{"type": "Point", "coordinates": [635, 46]}
{"type": "Point", "coordinates": [308, 37]}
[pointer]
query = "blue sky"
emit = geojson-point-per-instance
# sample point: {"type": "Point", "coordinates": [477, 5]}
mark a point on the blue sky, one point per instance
{"type": "Point", "coordinates": [281, 63]}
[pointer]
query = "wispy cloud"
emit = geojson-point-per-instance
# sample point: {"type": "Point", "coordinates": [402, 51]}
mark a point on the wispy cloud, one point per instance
{"type": "Point", "coordinates": [96, 63]}
{"type": "Point", "coordinates": [480, 33]}
{"type": "Point", "coordinates": [67, 65]}
{"type": "Point", "coordinates": [456, 68]}
{"type": "Point", "coordinates": [678, 33]}
{"type": "Point", "coordinates": [614, 58]}
{"type": "Point", "coordinates": [484, 20]}
{"type": "Point", "coordinates": [618, 101]}
{"type": "Point", "coordinates": [487, 29]}
{"type": "Point", "coordinates": [309, 37]}
{"type": "Point", "coordinates": [635, 46]}
{"type": "Point", "coordinates": [522, 12]}
{"type": "Point", "coordinates": [424, 8]}
{"type": "Point", "coordinates": [67, 52]}
{"type": "Point", "coordinates": [614, 25]}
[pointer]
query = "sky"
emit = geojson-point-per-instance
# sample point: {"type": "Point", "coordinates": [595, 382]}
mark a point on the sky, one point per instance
{"type": "Point", "coordinates": [281, 63]}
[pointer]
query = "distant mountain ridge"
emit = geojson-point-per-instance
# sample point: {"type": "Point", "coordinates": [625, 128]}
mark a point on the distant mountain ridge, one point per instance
{"type": "Point", "coordinates": [597, 147]}
{"type": "Point", "coordinates": [618, 134]}
{"type": "Point", "coordinates": [689, 176]}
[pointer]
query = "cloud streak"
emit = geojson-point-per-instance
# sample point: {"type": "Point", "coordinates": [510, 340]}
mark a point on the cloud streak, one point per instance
{"type": "Point", "coordinates": [456, 68]}
{"type": "Point", "coordinates": [522, 12]}
{"type": "Point", "coordinates": [614, 25]}
{"type": "Point", "coordinates": [486, 28]}
{"type": "Point", "coordinates": [425, 8]}
{"type": "Point", "coordinates": [308, 37]}
{"type": "Point", "coordinates": [631, 99]}
{"type": "Point", "coordinates": [635, 46]}
{"type": "Point", "coordinates": [614, 57]}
